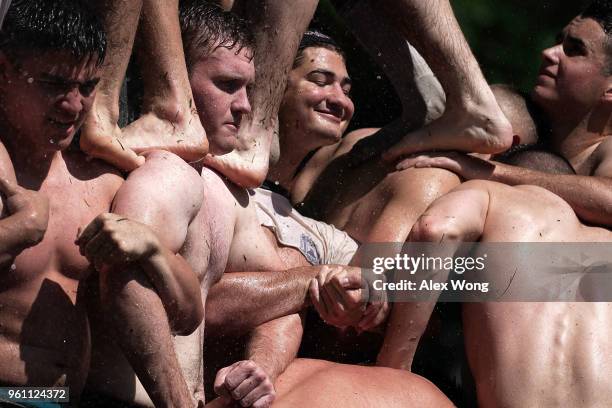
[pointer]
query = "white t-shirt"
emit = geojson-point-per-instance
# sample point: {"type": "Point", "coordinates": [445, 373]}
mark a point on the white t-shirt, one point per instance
{"type": "Point", "coordinates": [320, 243]}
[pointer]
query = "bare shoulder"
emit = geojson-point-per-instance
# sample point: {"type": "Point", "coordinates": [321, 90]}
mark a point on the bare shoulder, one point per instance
{"type": "Point", "coordinates": [167, 169]}
{"type": "Point", "coordinates": [408, 183]}
{"type": "Point", "coordinates": [349, 140]}
{"type": "Point", "coordinates": [603, 159]}
{"type": "Point", "coordinates": [327, 153]}
{"type": "Point", "coordinates": [94, 171]}
{"type": "Point", "coordinates": [221, 198]}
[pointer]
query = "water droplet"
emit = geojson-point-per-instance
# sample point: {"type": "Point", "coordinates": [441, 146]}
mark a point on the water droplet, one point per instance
{"type": "Point", "coordinates": [13, 267]}
{"type": "Point", "coordinates": [30, 80]}
{"type": "Point", "coordinates": [51, 141]}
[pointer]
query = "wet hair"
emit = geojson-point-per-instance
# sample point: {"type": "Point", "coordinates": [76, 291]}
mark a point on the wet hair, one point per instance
{"type": "Point", "coordinates": [601, 11]}
{"type": "Point", "coordinates": [34, 26]}
{"type": "Point", "coordinates": [206, 26]}
{"type": "Point", "coordinates": [318, 40]}
{"type": "Point", "coordinates": [534, 157]}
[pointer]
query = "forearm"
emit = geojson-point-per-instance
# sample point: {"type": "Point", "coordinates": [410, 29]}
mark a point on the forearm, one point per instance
{"type": "Point", "coordinates": [178, 288]}
{"type": "Point", "coordinates": [274, 345]}
{"type": "Point", "coordinates": [590, 197]}
{"type": "Point", "coordinates": [405, 328]}
{"type": "Point", "coordinates": [136, 317]}
{"type": "Point", "coordinates": [244, 300]}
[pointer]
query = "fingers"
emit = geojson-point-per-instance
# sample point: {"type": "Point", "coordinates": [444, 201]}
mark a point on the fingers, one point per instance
{"type": "Point", "coordinates": [91, 230]}
{"type": "Point", "coordinates": [95, 249]}
{"type": "Point", "coordinates": [373, 317]}
{"type": "Point", "coordinates": [9, 188]}
{"type": "Point", "coordinates": [252, 389]}
{"type": "Point", "coordinates": [348, 286]}
{"type": "Point", "coordinates": [315, 298]}
{"type": "Point", "coordinates": [246, 383]}
{"type": "Point", "coordinates": [264, 402]}
{"type": "Point", "coordinates": [219, 385]}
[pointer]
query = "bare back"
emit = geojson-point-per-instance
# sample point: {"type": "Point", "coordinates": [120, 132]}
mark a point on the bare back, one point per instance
{"type": "Point", "coordinates": [317, 383]}
{"type": "Point", "coordinates": [538, 354]}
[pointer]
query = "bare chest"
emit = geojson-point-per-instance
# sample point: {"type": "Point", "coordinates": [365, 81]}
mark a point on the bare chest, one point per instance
{"type": "Point", "coordinates": [73, 204]}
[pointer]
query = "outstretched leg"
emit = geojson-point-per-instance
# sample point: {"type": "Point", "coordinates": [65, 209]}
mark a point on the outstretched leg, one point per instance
{"type": "Point", "coordinates": [169, 118]}
{"type": "Point", "coordinates": [100, 134]}
{"type": "Point", "coordinates": [472, 120]}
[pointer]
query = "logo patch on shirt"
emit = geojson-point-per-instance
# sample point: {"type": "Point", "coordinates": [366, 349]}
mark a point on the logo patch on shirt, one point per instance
{"type": "Point", "coordinates": [309, 249]}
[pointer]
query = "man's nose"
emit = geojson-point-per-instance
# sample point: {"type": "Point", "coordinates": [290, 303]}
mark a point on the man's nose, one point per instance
{"type": "Point", "coordinates": [551, 55]}
{"type": "Point", "coordinates": [71, 104]}
{"type": "Point", "coordinates": [241, 103]}
{"type": "Point", "coordinates": [339, 100]}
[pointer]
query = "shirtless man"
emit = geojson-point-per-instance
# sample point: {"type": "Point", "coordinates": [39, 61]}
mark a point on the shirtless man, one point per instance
{"type": "Point", "coordinates": [574, 90]}
{"type": "Point", "coordinates": [221, 72]}
{"type": "Point", "coordinates": [514, 365]}
{"type": "Point", "coordinates": [50, 77]}
{"type": "Point", "coordinates": [472, 121]}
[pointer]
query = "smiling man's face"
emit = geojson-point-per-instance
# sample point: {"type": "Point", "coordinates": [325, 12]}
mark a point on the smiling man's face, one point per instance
{"type": "Point", "coordinates": [316, 102]}
{"type": "Point", "coordinates": [219, 83]}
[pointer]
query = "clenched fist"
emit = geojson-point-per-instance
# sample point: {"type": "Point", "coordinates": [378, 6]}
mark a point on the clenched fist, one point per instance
{"type": "Point", "coordinates": [246, 384]}
{"type": "Point", "coordinates": [112, 240]}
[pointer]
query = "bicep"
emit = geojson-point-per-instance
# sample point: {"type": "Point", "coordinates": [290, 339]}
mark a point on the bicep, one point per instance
{"type": "Point", "coordinates": [165, 193]}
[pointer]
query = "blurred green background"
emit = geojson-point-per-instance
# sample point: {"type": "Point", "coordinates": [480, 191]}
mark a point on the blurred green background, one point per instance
{"type": "Point", "coordinates": [506, 37]}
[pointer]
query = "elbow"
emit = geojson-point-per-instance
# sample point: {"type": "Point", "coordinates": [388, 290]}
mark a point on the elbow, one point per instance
{"type": "Point", "coordinates": [433, 228]}
{"type": "Point", "coordinates": [187, 319]}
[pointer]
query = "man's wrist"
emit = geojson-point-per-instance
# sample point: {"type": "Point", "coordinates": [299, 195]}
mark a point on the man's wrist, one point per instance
{"type": "Point", "coordinates": [155, 265]}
